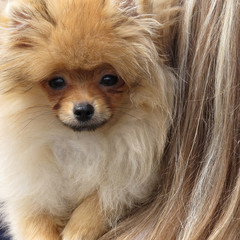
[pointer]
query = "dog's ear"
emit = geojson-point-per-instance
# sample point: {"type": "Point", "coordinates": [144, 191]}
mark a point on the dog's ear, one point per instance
{"type": "Point", "coordinates": [22, 20]}
{"type": "Point", "coordinates": [18, 22]}
{"type": "Point", "coordinates": [18, 14]}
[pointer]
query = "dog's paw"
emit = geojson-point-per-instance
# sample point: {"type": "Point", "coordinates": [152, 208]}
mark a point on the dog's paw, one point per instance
{"type": "Point", "coordinates": [88, 222]}
{"type": "Point", "coordinates": [78, 231]}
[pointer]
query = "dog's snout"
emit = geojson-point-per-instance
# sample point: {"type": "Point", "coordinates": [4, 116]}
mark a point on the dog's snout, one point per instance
{"type": "Point", "coordinates": [83, 112]}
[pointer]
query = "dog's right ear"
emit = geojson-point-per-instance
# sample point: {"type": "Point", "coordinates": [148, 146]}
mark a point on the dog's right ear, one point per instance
{"type": "Point", "coordinates": [17, 14]}
{"type": "Point", "coordinates": [16, 20]}
{"type": "Point", "coordinates": [22, 18]}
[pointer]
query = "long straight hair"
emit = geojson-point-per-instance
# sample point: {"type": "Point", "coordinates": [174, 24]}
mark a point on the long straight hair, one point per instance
{"type": "Point", "coordinates": [199, 188]}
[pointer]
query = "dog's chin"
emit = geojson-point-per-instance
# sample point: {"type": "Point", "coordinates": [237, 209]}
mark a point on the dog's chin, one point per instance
{"type": "Point", "coordinates": [85, 127]}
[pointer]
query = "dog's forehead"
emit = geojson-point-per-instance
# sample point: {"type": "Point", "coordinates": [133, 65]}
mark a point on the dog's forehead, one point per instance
{"type": "Point", "coordinates": [83, 33]}
{"type": "Point", "coordinates": [83, 16]}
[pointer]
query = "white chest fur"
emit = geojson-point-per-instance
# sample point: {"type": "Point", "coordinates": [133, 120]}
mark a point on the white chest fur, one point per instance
{"type": "Point", "coordinates": [58, 168]}
{"type": "Point", "coordinates": [81, 162]}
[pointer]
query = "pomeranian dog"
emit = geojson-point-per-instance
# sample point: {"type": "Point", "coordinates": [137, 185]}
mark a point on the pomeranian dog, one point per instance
{"type": "Point", "coordinates": [86, 103]}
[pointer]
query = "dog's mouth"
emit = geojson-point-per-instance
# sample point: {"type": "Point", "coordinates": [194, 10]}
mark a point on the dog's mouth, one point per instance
{"type": "Point", "coordinates": [85, 126]}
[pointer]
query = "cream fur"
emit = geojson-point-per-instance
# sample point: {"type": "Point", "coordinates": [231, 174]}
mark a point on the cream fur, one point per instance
{"type": "Point", "coordinates": [46, 167]}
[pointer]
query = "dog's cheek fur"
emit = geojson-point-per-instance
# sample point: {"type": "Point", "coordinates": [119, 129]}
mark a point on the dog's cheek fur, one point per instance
{"type": "Point", "coordinates": [48, 167]}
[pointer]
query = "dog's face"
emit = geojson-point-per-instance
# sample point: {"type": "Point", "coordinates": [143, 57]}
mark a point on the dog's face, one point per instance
{"type": "Point", "coordinates": [91, 58]}
{"type": "Point", "coordinates": [85, 99]}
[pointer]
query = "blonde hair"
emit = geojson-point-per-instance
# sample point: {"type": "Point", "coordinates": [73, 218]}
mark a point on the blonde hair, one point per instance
{"type": "Point", "coordinates": [199, 190]}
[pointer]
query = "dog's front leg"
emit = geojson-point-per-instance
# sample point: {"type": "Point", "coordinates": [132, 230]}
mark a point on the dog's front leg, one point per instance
{"type": "Point", "coordinates": [39, 227]}
{"type": "Point", "coordinates": [88, 221]}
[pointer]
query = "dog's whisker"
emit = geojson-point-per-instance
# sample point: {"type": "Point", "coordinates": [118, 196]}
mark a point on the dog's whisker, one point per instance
{"type": "Point", "coordinates": [42, 114]}
{"type": "Point", "coordinates": [136, 118]}
{"type": "Point", "coordinates": [126, 113]}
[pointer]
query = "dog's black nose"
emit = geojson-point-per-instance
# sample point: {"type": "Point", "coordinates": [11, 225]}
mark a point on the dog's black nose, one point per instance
{"type": "Point", "coordinates": [83, 112]}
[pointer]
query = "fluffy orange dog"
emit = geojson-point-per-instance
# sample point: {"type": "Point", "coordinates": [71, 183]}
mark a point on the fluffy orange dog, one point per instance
{"type": "Point", "coordinates": [85, 108]}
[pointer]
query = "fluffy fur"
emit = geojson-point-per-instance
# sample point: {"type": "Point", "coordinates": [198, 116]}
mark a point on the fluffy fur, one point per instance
{"type": "Point", "coordinates": [76, 184]}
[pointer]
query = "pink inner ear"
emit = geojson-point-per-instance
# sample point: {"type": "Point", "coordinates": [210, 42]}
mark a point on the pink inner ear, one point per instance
{"type": "Point", "coordinates": [19, 17]}
{"type": "Point", "coordinates": [130, 7]}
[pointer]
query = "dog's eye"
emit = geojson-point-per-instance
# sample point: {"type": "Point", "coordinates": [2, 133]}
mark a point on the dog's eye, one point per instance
{"type": "Point", "coordinates": [57, 83]}
{"type": "Point", "coordinates": [109, 80]}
